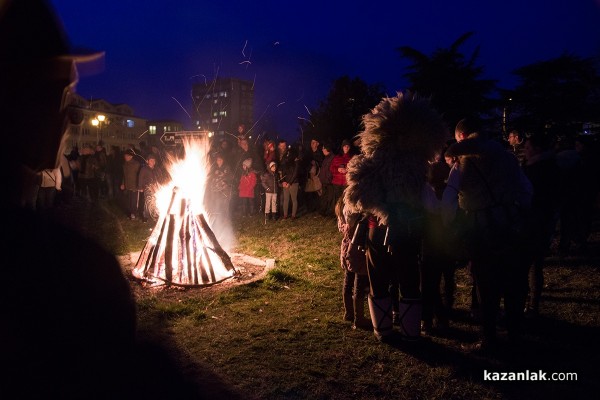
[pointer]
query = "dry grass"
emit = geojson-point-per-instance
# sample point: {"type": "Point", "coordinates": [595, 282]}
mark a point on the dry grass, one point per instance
{"type": "Point", "coordinates": [283, 337]}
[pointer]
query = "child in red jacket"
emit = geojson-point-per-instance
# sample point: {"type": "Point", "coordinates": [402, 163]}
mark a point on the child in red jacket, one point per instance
{"type": "Point", "coordinates": [246, 188]}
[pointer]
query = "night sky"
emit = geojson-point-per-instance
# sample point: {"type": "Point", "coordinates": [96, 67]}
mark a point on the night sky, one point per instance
{"type": "Point", "coordinates": [293, 51]}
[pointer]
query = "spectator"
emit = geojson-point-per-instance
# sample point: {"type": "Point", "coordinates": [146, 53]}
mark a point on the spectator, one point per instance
{"type": "Point", "coordinates": [289, 168]}
{"type": "Point", "coordinates": [246, 189]}
{"type": "Point", "coordinates": [327, 199]}
{"type": "Point", "coordinates": [89, 184]}
{"type": "Point", "coordinates": [338, 170]}
{"type": "Point", "coordinates": [131, 170]}
{"type": "Point", "coordinates": [114, 171]}
{"type": "Point", "coordinates": [219, 190]}
{"type": "Point", "coordinates": [69, 322]}
{"type": "Point", "coordinates": [495, 195]}
{"type": "Point", "coordinates": [148, 182]}
{"type": "Point", "coordinates": [51, 183]}
{"type": "Point", "coordinates": [269, 182]}
{"type": "Point", "coordinates": [516, 143]}
{"type": "Point", "coordinates": [268, 152]}
{"type": "Point", "coordinates": [354, 264]}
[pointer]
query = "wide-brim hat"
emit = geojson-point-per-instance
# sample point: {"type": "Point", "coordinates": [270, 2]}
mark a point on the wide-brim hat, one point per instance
{"type": "Point", "coordinates": [32, 36]}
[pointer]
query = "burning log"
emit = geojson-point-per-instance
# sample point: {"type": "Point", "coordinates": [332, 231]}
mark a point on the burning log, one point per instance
{"type": "Point", "coordinates": [183, 250]}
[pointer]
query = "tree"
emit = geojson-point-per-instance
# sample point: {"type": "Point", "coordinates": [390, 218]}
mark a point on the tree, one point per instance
{"type": "Point", "coordinates": [339, 116]}
{"type": "Point", "coordinates": [452, 81]}
{"type": "Point", "coordinates": [556, 96]}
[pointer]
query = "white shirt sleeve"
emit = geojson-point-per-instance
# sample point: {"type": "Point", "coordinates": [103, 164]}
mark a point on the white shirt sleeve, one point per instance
{"type": "Point", "coordinates": [57, 178]}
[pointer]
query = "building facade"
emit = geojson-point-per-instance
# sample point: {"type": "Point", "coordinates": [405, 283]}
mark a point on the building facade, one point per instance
{"type": "Point", "coordinates": [223, 104]}
{"type": "Point", "coordinates": [101, 121]}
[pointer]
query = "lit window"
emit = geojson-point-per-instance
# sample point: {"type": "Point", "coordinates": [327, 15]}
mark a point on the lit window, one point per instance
{"type": "Point", "coordinates": [215, 120]}
{"type": "Point", "coordinates": [152, 129]}
{"type": "Point", "coordinates": [130, 123]}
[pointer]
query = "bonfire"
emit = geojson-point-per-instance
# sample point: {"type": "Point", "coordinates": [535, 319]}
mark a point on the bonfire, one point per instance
{"type": "Point", "coordinates": [182, 249]}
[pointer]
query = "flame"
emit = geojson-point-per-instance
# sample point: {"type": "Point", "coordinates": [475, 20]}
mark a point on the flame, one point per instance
{"type": "Point", "coordinates": [189, 175]}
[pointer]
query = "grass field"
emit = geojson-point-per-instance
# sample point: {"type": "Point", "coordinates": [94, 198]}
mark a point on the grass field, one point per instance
{"type": "Point", "coordinates": [283, 336]}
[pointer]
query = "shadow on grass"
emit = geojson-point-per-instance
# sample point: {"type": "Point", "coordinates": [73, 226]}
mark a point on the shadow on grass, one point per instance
{"type": "Point", "coordinates": [162, 370]}
{"type": "Point", "coordinates": [549, 346]}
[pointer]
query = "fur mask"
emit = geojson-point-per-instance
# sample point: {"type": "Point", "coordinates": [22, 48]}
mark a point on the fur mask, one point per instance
{"type": "Point", "coordinates": [401, 134]}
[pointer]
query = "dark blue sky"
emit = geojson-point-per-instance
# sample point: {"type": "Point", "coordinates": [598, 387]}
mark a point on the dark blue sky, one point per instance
{"type": "Point", "coordinates": [293, 51]}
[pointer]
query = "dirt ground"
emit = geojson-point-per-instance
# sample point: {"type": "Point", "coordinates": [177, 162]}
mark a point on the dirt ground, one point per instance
{"type": "Point", "coordinates": [248, 269]}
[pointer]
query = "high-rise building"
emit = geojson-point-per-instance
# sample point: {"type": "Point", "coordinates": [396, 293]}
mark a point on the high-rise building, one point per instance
{"type": "Point", "coordinates": [223, 104]}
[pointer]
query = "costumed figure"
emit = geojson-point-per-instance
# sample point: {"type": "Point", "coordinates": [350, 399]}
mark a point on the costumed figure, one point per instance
{"type": "Point", "coordinates": [387, 184]}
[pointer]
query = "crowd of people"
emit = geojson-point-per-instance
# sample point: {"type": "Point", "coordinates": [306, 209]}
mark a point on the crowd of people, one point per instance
{"type": "Point", "coordinates": [278, 180]}
{"type": "Point", "coordinates": [490, 205]}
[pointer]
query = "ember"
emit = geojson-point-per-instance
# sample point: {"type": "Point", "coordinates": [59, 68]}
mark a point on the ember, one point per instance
{"type": "Point", "coordinates": [183, 249]}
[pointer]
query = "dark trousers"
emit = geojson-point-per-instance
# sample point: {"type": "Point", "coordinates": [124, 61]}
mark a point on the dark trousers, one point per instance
{"type": "Point", "coordinates": [496, 276]}
{"type": "Point", "coordinates": [434, 267]}
{"type": "Point", "coordinates": [327, 201]}
{"type": "Point", "coordinates": [133, 201]}
{"type": "Point", "coordinates": [401, 264]}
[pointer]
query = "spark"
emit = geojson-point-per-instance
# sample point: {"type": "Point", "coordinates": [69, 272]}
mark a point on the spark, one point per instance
{"type": "Point", "coordinates": [301, 96]}
{"type": "Point", "coordinates": [253, 82]}
{"type": "Point", "coordinates": [282, 103]}
{"type": "Point", "coordinates": [245, 62]}
{"type": "Point", "coordinates": [262, 115]}
{"type": "Point", "coordinates": [276, 43]}
{"type": "Point", "coordinates": [307, 110]}
{"type": "Point", "coordinates": [184, 110]}
{"type": "Point", "coordinates": [244, 49]}
{"type": "Point", "coordinates": [307, 120]}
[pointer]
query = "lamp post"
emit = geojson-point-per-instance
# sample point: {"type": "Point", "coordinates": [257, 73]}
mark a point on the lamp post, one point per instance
{"type": "Point", "coordinates": [505, 113]}
{"type": "Point", "coordinates": [97, 122]}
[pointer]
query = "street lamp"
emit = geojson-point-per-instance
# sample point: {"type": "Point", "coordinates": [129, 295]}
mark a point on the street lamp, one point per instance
{"type": "Point", "coordinates": [97, 122]}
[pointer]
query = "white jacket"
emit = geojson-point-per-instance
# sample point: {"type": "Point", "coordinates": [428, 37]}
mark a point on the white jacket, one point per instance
{"type": "Point", "coordinates": [51, 178]}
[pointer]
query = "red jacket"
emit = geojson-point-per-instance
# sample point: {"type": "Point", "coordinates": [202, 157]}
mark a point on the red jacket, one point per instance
{"type": "Point", "coordinates": [339, 178]}
{"type": "Point", "coordinates": [247, 184]}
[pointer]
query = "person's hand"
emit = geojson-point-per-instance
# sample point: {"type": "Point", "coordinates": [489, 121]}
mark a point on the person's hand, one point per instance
{"type": "Point", "coordinates": [122, 187]}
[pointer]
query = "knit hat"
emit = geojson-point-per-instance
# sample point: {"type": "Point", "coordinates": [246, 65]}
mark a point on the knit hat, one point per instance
{"type": "Point", "coordinates": [272, 164]}
{"type": "Point", "coordinates": [130, 152]}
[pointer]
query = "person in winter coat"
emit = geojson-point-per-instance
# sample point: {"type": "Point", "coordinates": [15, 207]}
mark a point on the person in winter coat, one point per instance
{"type": "Point", "coordinates": [354, 263]}
{"type": "Point", "coordinates": [327, 199]}
{"type": "Point", "coordinates": [494, 195]}
{"type": "Point", "coordinates": [246, 189]}
{"type": "Point", "coordinates": [148, 181]}
{"type": "Point", "coordinates": [289, 170]}
{"type": "Point", "coordinates": [338, 169]}
{"type": "Point", "coordinates": [270, 186]}
{"type": "Point", "coordinates": [131, 170]}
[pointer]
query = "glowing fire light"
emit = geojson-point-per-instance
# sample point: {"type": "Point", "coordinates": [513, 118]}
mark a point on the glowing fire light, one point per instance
{"type": "Point", "coordinates": [182, 249]}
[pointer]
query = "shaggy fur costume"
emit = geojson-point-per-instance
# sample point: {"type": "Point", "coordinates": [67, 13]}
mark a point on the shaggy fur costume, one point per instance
{"type": "Point", "coordinates": [401, 134]}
